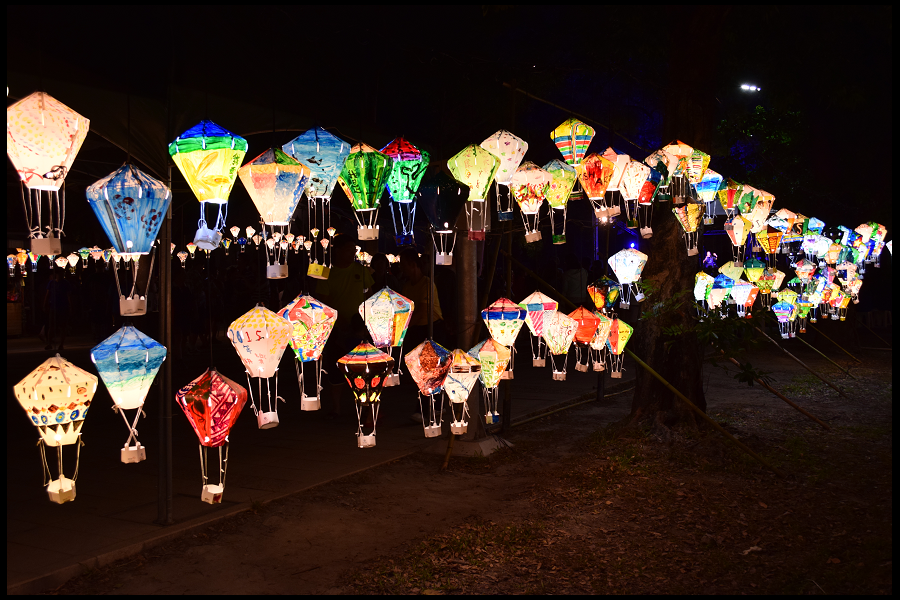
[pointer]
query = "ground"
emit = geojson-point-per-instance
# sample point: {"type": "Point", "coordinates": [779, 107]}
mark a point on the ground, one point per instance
{"type": "Point", "coordinates": [580, 504]}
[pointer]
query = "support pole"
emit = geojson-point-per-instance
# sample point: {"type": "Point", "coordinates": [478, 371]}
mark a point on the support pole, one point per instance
{"type": "Point", "coordinates": [505, 422]}
{"type": "Point", "coordinates": [801, 363]}
{"type": "Point", "coordinates": [888, 344]}
{"type": "Point", "coordinates": [822, 354]}
{"type": "Point", "coordinates": [819, 331]}
{"type": "Point", "coordinates": [164, 510]}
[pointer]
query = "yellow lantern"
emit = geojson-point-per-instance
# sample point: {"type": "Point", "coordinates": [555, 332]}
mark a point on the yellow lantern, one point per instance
{"type": "Point", "coordinates": [475, 167]}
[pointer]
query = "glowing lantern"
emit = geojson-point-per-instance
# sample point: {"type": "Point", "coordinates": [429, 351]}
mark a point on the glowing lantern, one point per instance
{"type": "Point", "coordinates": [260, 337]}
{"type": "Point", "coordinates": [128, 362]}
{"type": "Point", "coordinates": [805, 269]}
{"type": "Point", "coordinates": [769, 239]}
{"type": "Point", "coordinates": [559, 333]}
{"type": "Point", "coordinates": [182, 256]}
{"type": "Point", "coordinates": [475, 167]}
{"type": "Point", "coordinates": [504, 319]}
{"type": "Point", "coordinates": [22, 259]}
{"type": "Point", "coordinates": [615, 184]}
{"type": "Point", "coordinates": [783, 311]}
{"type": "Point", "coordinates": [56, 396]}
{"type": "Point", "coordinates": [672, 162]}
{"type": "Point", "coordinates": [738, 228]}
{"type": "Point", "coordinates": [403, 184]}
{"type": "Point", "coordinates": [509, 150]}
{"type": "Point", "coordinates": [311, 324]}
{"type": "Point", "coordinates": [226, 243]}
{"type": "Point", "coordinates": [720, 290]}
{"type": "Point", "coordinates": [689, 218]}
{"type": "Point", "coordinates": [34, 258]}
{"type": "Point", "coordinates": [73, 261]}
{"type": "Point", "coordinates": [43, 136]}
{"type": "Point", "coordinates": [759, 214]}
{"type": "Point", "coordinates": [536, 306]}
{"type": "Point", "coordinates": [702, 285]}
{"type": "Point", "coordinates": [11, 263]}
{"type": "Point", "coordinates": [529, 187]}
{"type": "Point", "coordinates": [604, 294]}
{"type": "Point", "coordinates": [131, 207]}
{"type": "Point", "coordinates": [754, 269]}
{"type": "Point", "coordinates": [584, 335]}
{"type": "Point", "coordinates": [564, 178]}
{"type": "Point", "coordinates": [595, 173]}
{"type": "Point", "coordinates": [387, 315]}
{"type": "Point", "coordinates": [464, 372]}
{"type": "Point", "coordinates": [363, 180]}
{"type": "Point", "coordinates": [208, 157]}
{"type": "Point", "coordinates": [494, 359]}
{"type": "Point", "coordinates": [235, 231]}
{"type": "Point", "coordinates": [365, 368]}
{"type": "Point", "coordinates": [598, 342]}
{"type": "Point", "coordinates": [442, 197]}
{"type": "Point", "coordinates": [428, 365]}
{"type": "Point", "coordinates": [628, 264]}
{"type": "Point", "coordinates": [639, 183]}
{"type": "Point", "coordinates": [744, 294]}
{"type": "Point", "coordinates": [619, 334]}
{"type": "Point", "coordinates": [729, 197]}
{"type": "Point", "coordinates": [572, 139]}
{"type": "Point", "coordinates": [275, 183]}
{"type": "Point", "coordinates": [731, 270]}
{"type": "Point", "coordinates": [708, 192]}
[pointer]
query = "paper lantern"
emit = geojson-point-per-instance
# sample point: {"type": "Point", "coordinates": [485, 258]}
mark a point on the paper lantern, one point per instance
{"type": "Point", "coordinates": [57, 396]}
{"type": "Point", "coordinates": [559, 333]}
{"type": "Point", "coordinates": [365, 368]}
{"type": "Point", "coordinates": [131, 207]}
{"type": "Point", "coordinates": [598, 342]}
{"type": "Point", "coordinates": [260, 337]}
{"type": "Point", "coordinates": [128, 362]}
{"type": "Point", "coordinates": [34, 258]}
{"type": "Point", "coordinates": [557, 194]}
{"type": "Point", "coordinates": [584, 335]}
{"type": "Point", "coordinates": [684, 156]}
{"type": "Point", "coordinates": [614, 193]}
{"type": "Point", "coordinates": [619, 334]}
{"type": "Point", "coordinates": [759, 214]}
{"type": "Point", "coordinates": [428, 365]}
{"type": "Point", "coordinates": [387, 315]}
{"type": "Point", "coordinates": [783, 312]}
{"type": "Point", "coordinates": [43, 136]}
{"type": "Point", "coordinates": [689, 216]}
{"type": "Point", "coordinates": [442, 197]}
{"type": "Point", "coordinates": [744, 294]}
{"type": "Point", "coordinates": [707, 190]}
{"type": "Point", "coordinates": [504, 319]}
{"type": "Point", "coordinates": [702, 286]}
{"type": "Point", "coordinates": [494, 360]}
{"type": "Point", "coordinates": [311, 324]}
{"type": "Point", "coordinates": [212, 403]}
{"type": "Point", "coordinates": [572, 139]}
{"type": "Point", "coordinates": [529, 187]}
{"type": "Point", "coordinates": [639, 184]}
{"type": "Point", "coordinates": [731, 270]}
{"type": "Point", "coordinates": [208, 157]}
{"type": "Point", "coordinates": [363, 180]}
{"type": "Point", "coordinates": [729, 196]}
{"type": "Point", "coordinates": [769, 238]}
{"type": "Point", "coordinates": [403, 184]}
{"type": "Point", "coordinates": [595, 173]}
{"type": "Point", "coordinates": [475, 167]}
{"type": "Point", "coordinates": [275, 183]}
{"type": "Point", "coordinates": [536, 306]}
{"type": "Point", "coordinates": [464, 372]}
{"type": "Point", "coordinates": [11, 263]}
{"type": "Point", "coordinates": [738, 228]}
{"type": "Point", "coordinates": [604, 294]}
{"type": "Point", "coordinates": [509, 150]}
{"type": "Point", "coordinates": [628, 264]}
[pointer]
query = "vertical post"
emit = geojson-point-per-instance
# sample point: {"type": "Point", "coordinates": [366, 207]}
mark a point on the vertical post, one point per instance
{"type": "Point", "coordinates": [431, 296]}
{"type": "Point", "coordinates": [164, 499]}
{"type": "Point", "coordinates": [507, 389]}
{"type": "Point", "coordinates": [467, 315]}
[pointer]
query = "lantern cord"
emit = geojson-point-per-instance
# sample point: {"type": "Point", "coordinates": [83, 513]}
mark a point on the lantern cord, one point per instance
{"type": "Point", "coordinates": [250, 391]}
{"type": "Point", "coordinates": [60, 210]}
{"type": "Point", "coordinates": [132, 427]}
{"type": "Point", "coordinates": [43, 448]}
{"type": "Point", "coordinates": [225, 467]}
{"type": "Point", "coordinates": [212, 333]}
{"type": "Point", "coordinates": [26, 205]}
{"type": "Point", "coordinates": [78, 446]}
{"type": "Point", "coordinates": [203, 477]}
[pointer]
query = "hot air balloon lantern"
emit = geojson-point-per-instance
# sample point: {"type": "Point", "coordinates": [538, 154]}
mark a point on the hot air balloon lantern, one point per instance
{"type": "Point", "coordinates": [324, 155]}
{"type": "Point", "coordinates": [588, 323]}
{"type": "Point", "coordinates": [769, 238]}
{"type": "Point", "coordinates": [639, 185]}
{"type": "Point", "coordinates": [365, 368]}
{"type": "Point", "coordinates": [729, 195]}
{"type": "Point", "coordinates": [619, 334]}
{"type": "Point", "coordinates": [536, 306]}
{"type": "Point", "coordinates": [363, 179]}
{"type": "Point", "coordinates": [721, 289]}
{"type": "Point", "coordinates": [22, 260]}
{"type": "Point", "coordinates": [759, 213]}
{"type": "Point", "coordinates": [628, 264]}
{"type": "Point", "coordinates": [403, 185]}
{"type": "Point", "coordinates": [572, 139]}
{"type": "Point", "coordinates": [387, 315]}
{"type": "Point", "coordinates": [564, 178]}
{"type": "Point", "coordinates": [208, 157]}
{"type": "Point", "coordinates": [529, 186]}
{"type": "Point", "coordinates": [504, 319]}
{"type": "Point", "coordinates": [689, 216]}
{"type": "Point", "coordinates": [260, 338]}
{"type": "Point", "coordinates": [275, 183]}
{"type": "Point", "coordinates": [476, 168]}
{"type": "Point", "coordinates": [34, 258]}
{"type": "Point", "coordinates": [311, 324]}
{"type": "Point", "coordinates": [595, 174]}
{"type": "Point", "coordinates": [707, 190]}
{"type": "Point", "coordinates": [744, 294]}
{"type": "Point", "coordinates": [614, 190]}
{"type": "Point", "coordinates": [43, 137]}
{"type": "Point", "coordinates": [783, 312]}
{"type": "Point", "coordinates": [428, 365]}
{"type": "Point", "coordinates": [703, 283]}
{"type": "Point", "coordinates": [604, 293]}
{"type": "Point", "coordinates": [131, 206]}
{"type": "Point", "coordinates": [494, 360]}
{"type": "Point", "coordinates": [509, 150]}
{"type": "Point", "coordinates": [559, 333]}
{"type": "Point", "coordinates": [731, 270]}
{"type": "Point", "coordinates": [598, 349]}
{"type": "Point", "coordinates": [442, 198]}
{"type": "Point", "coordinates": [461, 378]}
{"type": "Point", "coordinates": [11, 264]}
{"type": "Point", "coordinates": [737, 229]}
{"type": "Point", "coordinates": [672, 162]}
{"type": "Point", "coordinates": [57, 396]}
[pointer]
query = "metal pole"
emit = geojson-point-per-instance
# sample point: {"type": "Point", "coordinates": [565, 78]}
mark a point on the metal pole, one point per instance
{"type": "Point", "coordinates": [431, 297]}
{"type": "Point", "coordinates": [822, 354]}
{"type": "Point", "coordinates": [804, 365]}
{"type": "Point", "coordinates": [507, 394]}
{"type": "Point", "coordinates": [819, 331]}
{"type": "Point", "coordinates": [164, 499]}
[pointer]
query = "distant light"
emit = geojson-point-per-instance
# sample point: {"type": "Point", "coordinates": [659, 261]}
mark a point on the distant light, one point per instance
{"type": "Point", "coordinates": [632, 244]}
{"type": "Point", "coordinates": [750, 88]}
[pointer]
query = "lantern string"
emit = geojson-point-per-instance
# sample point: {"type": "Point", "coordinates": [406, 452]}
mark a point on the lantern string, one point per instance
{"type": "Point", "coordinates": [208, 307]}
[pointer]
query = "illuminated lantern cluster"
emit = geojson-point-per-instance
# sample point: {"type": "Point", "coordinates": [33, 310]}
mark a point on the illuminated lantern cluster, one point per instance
{"type": "Point", "coordinates": [365, 368]}
{"type": "Point", "coordinates": [387, 315]}
{"type": "Point", "coordinates": [428, 365]}
{"type": "Point", "coordinates": [442, 197]}
{"type": "Point", "coordinates": [559, 333]}
{"type": "Point", "coordinates": [403, 184]}
{"type": "Point", "coordinates": [536, 306]}
{"type": "Point", "coordinates": [557, 194]}
{"type": "Point", "coordinates": [464, 372]}
{"type": "Point", "coordinates": [494, 360]}
{"type": "Point", "coordinates": [509, 149]}
{"type": "Point", "coordinates": [628, 264]}
{"type": "Point", "coordinates": [529, 187]}
{"type": "Point", "coordinates": [504, 319]}
{"type": "Point", "coordinates": [475, 168]}
{"type": "Point", "coordinates": [311, 325]}
{"type": "Point", "coordinates": [363, 179]}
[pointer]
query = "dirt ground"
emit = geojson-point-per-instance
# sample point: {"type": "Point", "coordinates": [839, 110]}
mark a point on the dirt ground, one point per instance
{"type": "Point", "coordinates": [581, 505]}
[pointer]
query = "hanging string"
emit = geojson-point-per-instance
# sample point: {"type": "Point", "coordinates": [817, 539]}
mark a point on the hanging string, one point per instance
{"type": "Point", "coordinates": [209, 308]}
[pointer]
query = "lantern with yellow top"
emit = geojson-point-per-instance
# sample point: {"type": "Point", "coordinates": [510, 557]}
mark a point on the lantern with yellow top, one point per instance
{"type": "Point", "coordinates": [529, 187]}
{"type": "Point", "coordinates": [688, 217]}
{"type": "Point", "coordinates": [598, 342]}
{"type": "Point", "coordinates": [475, 167]}
{"type": "Point", "coordinates": [509, 150]}
{"type": "Point", "coordinates": [363, 180]}
{"type": "Point", "coordinates": [702, 285]}
{"type": "Point", "coordinates": [729, 195]}
{"type": "Point", "coordinates": [564, 178]}
{"type": "Point", "coordinates": [619, 334]}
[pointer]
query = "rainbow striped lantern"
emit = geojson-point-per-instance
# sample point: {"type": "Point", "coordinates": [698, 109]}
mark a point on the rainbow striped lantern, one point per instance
{"type": "Point", "coordinates": [703, 283]}
{"type": "Point", "coordinates": [614, 190]}
{"type": "Point", "coordinates": [131, 207]}
{"type": "Point", "coordinates": [598, 342]}
{"type": "Point", "coordinates": [588, 323]}
{"type": "Point", "coordinates": [529, 187]}
{"type": "Point", "coordinates": [572, 139]}
{"type": "Point", "coordinates": [275, 183]}
{"type": "Point", "coordinates": [536, 306]}
{"type": "Point", "coordinates": [619, 334]}
{"type": "Point", "coordinates": [43, 136]}
{"type": "Point", "coordinates": [365, 368]}
{"type": "Point", "coordinates": [260, 338]}
{"type": "Point", "coordinates": [783, 311]}
{"type": "Point", "coordinates": [595, 174]}
{"type": "Point", "coordinates": [639, 185]}
{"type": "Point", "coordinates": [324, 155]}
{"type": "Point", "coordinates": [493, 358]}
{"type": "Point", "coordinates": [403, 185]}
{"type": "Point", "coordinates": [688, 217]}
{"type": "Point", "coordinates": [428, 365]}
{"type": "Point", "coordinates": [559, 333]}
{"type": "Point", "coordinates": [475, 167]}
{"type": "Point", "coordinates": [208, 157]}
{"type": "Point", "coordinates": [363, 179]}
{"type": "Point", "coordinates": [56, 396]}
{"type": "Point", "coordinates": [464, 372]}
{"type": "Point", "coordinates": [504, 319]}
{"type": "Point", "coordinates": [744, 294]}
{"type": "Point", "coordinates": [509, 150]}
{"type": "Point", "coordinates": [311, 325]}
{"type": "Point", "coordinates": [564, 178]}
{"type": "Point", "coordinates": [212, 403]}
{"type": "Point", "coordinates": [128, 362]}
{"type": "Point", "coordinates": [387, 315]}
{"type": "Point", "coordinates": [628, 264]}
{"type": "Point", "coordinates": [707, 190]}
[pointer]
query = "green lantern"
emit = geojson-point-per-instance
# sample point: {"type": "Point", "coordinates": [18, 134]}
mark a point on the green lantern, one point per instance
{"type": "Point", "coordinates": [475, 167]}
{"type": "Point", "coordinates": [363, 178]}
